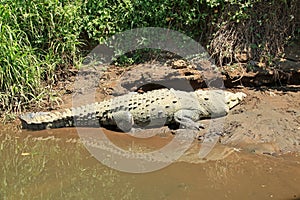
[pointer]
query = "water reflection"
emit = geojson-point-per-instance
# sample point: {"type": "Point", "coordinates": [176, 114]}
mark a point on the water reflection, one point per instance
{"type": "Point", "coordinates": [55, 168]}
{"type": "Point", "coordinates": [55, 165]}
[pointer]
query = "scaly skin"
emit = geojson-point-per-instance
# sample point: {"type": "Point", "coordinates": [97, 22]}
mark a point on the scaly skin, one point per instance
{"type": "Point", "coordinates": [153, 108]}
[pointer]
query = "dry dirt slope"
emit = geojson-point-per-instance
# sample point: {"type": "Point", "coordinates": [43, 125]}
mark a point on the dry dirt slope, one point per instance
{"type": "Point", "coordinates": [268, 121]}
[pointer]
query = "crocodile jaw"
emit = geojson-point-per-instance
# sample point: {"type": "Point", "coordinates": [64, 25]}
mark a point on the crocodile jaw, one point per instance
{"type": "Point", "coordinates": [233, 99]}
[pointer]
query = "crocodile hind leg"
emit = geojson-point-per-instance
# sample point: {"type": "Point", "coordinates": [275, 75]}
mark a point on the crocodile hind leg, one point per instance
{"type": "Point", "coordinates": [124, 120]}
{"type": "Point", "coordinates": [188, 118]}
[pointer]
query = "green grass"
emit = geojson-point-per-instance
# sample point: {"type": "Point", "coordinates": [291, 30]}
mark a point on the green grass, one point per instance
{"type": "Point", "coordinates": [20, 72]}
{"type": "Point", "coordinates": [37, 38]}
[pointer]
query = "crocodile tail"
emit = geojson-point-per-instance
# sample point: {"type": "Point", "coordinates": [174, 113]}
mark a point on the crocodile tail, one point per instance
{"type": "Point", "coordinates": [45, 120]}
{"type": "Point", "coordinates": [67, 118]}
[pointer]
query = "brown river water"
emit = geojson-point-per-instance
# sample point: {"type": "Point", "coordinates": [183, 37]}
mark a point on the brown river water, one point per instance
{"type": "Point", "coordinates": [54, 164]}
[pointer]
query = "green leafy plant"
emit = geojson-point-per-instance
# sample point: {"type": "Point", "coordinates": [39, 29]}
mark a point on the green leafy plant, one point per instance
{"type": "Point", "coordinates": [40, 38]}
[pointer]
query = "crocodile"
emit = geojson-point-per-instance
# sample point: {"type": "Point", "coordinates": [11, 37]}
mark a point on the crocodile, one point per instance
{"type": "Point", "coordinates": [150, 109]}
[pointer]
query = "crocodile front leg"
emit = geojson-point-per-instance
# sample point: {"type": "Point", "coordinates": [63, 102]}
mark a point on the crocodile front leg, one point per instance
{"type": "Point", "coordinates": [188, 119]}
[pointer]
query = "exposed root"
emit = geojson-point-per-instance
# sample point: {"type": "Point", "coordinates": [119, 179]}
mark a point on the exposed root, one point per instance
{"type": "Point", "coordinates": [260, 37]}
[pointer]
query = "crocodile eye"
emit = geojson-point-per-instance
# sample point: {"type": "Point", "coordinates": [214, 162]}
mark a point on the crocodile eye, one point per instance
{"type": "Point", "coordinates": [206, 98]}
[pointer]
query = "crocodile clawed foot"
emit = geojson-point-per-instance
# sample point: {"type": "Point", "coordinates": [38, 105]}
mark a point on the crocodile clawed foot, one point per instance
{"type": "Point", "coordinates": [210, 137]}
{"type": "Point", "coordinates": [147, 133]}
{"type": "Point", "coordinates": [135, 131]}
{"type": "Point", "coordinates": [193, 126]}
{"type": "Point", "coordinates": [199, 126]}
{"type": "Point", "coordinates": [185, 133]}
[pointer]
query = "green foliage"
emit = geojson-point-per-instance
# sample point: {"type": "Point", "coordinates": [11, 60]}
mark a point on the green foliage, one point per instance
{"type": "Point", "coordinates": [39, 37]}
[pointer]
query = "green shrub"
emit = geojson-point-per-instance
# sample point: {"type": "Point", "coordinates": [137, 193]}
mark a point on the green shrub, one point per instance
{"type": "Point", "coordinates": [41, 37]}
{"type": "Point", "coordinates": [257, 29]}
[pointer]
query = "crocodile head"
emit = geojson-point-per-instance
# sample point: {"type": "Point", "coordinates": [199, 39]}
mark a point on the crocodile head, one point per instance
{"type": "Point", "coordinates": [233, 99]}
{"type": "Point", "coordinates": [220, 98]}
